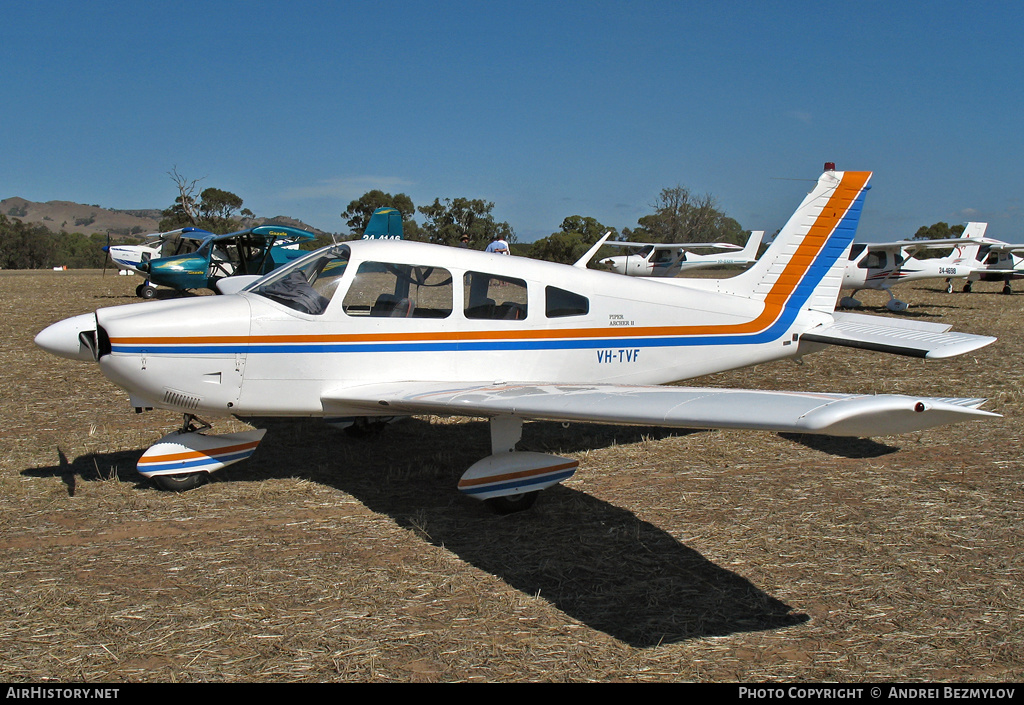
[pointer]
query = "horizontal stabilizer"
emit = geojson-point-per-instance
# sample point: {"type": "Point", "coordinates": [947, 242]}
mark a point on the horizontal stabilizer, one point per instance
{"type": "Point", "coordinates": [669, 406]}
{"type": "Point", "coordinates": [895, 335]}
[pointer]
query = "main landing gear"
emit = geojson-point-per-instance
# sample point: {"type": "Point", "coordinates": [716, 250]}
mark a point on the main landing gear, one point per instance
{"type": "Point", "coordinates": [182, 460]}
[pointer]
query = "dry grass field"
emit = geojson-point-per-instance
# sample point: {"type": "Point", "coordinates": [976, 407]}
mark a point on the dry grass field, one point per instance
{"type": "Point", "coordinates": [670, 556]}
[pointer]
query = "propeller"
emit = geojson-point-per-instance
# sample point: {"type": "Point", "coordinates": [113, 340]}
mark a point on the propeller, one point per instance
{"type": "Point", "coordinates": [106, 251]}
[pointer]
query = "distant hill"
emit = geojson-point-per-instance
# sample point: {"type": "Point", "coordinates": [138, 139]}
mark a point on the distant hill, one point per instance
{"type": "Point", "coordinates": [65, 216]}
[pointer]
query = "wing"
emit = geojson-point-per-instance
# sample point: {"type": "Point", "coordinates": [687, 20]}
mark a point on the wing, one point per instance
{"type": "Point", "coordinates": [923, 244]}
{"type": "Point", "coordinates": [688, 246]}
{"type": "Point", "coordinates": [669, 406]}
{"type": "Point", "coordinates": [1006, 247]}
{"type": "Point", "coordinates": [895, 335]}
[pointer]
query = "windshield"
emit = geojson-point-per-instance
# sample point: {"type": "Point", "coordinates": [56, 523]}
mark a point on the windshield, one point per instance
{"type": "Point", "coordinates": [307, 284]}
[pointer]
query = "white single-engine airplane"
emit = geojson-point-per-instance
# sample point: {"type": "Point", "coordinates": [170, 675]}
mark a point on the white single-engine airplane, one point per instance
{"type": "Point", "coordinates": [881, 265]}
{"type": "Point", "coordinates": [668, 259]}
{"type": "Point", "coordinates": [993, 260]}
{"type": "Point", "coordinates": [379, 329]}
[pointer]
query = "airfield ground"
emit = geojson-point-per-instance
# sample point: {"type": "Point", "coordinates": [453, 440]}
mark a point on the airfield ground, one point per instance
{"type": "Point", "coordinates": [670, 556]}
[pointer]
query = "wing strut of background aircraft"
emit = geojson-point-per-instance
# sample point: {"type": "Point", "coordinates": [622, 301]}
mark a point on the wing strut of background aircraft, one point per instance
{"type": "Point", "coordinates": [882, 265]}
{"type": "Point", "coordinates": [670, 259]}
{"type": "Point", "coordinates": [374, 330]}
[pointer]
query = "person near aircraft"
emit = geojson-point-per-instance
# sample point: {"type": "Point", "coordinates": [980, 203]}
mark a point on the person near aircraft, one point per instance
{"type": "Point", "coordinates": [498, 246]}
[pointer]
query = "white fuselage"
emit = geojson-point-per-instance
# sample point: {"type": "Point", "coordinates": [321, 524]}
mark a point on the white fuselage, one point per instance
{"type": "Point", "coordinates": [250, 354]}
{"type": "Point", "coordinates": [995, 265]}
{"type": "Point", "coordinates": [668, 263]}
{"type": "Point", "coordinates": [129, 257]}
{"type": "Point", "coordinates": [881, 270]}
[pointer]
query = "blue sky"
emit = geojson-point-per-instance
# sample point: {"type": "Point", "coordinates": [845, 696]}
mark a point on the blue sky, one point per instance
{"type": "Point", "coordinates": [547, 109]}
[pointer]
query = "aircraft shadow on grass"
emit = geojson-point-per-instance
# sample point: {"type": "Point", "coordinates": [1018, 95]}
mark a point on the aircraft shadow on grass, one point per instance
{"type": "Point", "coordinates": [598, 563]}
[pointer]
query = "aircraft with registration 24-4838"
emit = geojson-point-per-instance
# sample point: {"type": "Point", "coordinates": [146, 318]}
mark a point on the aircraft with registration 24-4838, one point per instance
{"type": "Point", "coordinates": [376, 329]}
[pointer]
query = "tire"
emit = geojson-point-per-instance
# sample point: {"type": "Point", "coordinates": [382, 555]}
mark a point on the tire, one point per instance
{"type": "Point", "coordinates": [512, 504]}
{"type": "Point", "coordinates": [147, 292]}
{"type": "Point", "coordinates": [179, 483]}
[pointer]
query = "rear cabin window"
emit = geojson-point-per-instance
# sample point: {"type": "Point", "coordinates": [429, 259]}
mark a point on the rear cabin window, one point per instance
{"type": "Point", "coordinates": [386, 290]}
{"type": "Point", "coordinates": [490, 297]}
{"type": "Point", "coordinates": [559, 303]}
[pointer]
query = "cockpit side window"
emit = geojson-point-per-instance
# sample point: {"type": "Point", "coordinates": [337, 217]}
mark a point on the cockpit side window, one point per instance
{"type": "Point", "coordinates": [308, 284]}
{"type": "Point", "coordinates": [874, 260]}
{"type": "Point", "coordinates": [559, 303]}
{"type": "Point", "coordinates": [386, 290]}
{"type": "Point", "coordinates": [482, 293]}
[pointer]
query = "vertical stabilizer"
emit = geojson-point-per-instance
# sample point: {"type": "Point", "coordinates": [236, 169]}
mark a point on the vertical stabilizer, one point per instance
{"type": "Point", "coordinates": [753, 244]}
{"type": "Point", "coordinates": [385, 224]}
{"type": "Point", "coordinates": [803, 267]}
{"type": "Point", "coordinates": [971, 252]}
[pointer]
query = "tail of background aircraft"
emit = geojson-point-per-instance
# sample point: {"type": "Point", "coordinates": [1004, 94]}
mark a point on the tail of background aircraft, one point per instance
{"type": "Point", "coordinates": [753, 245]}
{"type": "Point", "coordinates": [385, 224]}
{"type": "Point", "coordinates": [803, 267]}
{"type": "Point", "coordinates": [972, 231]}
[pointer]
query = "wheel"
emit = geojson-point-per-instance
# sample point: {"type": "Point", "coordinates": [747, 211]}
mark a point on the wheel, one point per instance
{"type": "Point", "coordinates": [967, 288]}
{"type": "Point", "coordinates": [179, 483]}
{"type": "Point", "coordinates": [510, 504]}
{"type": "Point", "coordinates": [147, 292]}
{"type": "Point", "coordinates": [138, 290]}
{"type": "Point", "coordinates": [1007, 289]}
{"type": "Point", "coordinates": [949, 287]}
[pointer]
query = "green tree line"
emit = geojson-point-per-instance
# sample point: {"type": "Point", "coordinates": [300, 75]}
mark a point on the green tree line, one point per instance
{"type": "Point", "coordinates": [25, 246]}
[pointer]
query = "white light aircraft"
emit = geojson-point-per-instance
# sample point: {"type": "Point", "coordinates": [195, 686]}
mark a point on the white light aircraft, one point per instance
{"type": "Point", "coordinates": [173, 242]}
{"type": "Point", "coordinates": [377, 329]}
{"type": "Point", "coordinates": [993, 260]}
{"type": "Point", "coordinates": [881, 265]}
{"type": "Point", "coordinates": [668, 259]}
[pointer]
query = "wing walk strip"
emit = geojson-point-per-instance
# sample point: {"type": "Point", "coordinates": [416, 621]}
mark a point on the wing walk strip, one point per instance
{"type": "Point", "coordinates": [825, 240]}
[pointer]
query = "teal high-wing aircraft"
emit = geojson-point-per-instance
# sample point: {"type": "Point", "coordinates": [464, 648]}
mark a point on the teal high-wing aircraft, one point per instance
{"type": "Point", "coordinates": [255, 251]}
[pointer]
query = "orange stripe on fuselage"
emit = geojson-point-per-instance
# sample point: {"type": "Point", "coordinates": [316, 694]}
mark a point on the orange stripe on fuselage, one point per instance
{"type": "Point", "coordinates": [834, 211]}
